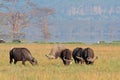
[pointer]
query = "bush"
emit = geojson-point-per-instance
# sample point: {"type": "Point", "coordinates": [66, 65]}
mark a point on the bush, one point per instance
{"type": "Point", "coordinates": [16, 41]}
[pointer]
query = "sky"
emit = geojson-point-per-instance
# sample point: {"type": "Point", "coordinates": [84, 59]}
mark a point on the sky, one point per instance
{"type": "Point", "coordinates": [84, 20]}
{"type": "Point", "coordinates": [80, 21]}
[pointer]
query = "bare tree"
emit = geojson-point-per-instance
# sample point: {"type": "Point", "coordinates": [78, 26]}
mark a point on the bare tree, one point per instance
{"type": "Point", "coordinates": [43, 14]}
{"type": "Point", "coordinates": [16, 18]}
{"type": "Point", "coordinates": [45, 28]}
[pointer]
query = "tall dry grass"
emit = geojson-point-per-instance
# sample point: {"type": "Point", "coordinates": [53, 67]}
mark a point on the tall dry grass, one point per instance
{"type": "Point", "coordinates": [107, 67]}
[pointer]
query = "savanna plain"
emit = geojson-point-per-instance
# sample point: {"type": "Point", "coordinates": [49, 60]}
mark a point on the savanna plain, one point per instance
{"type": "Point", "coordinates": [106, 67]}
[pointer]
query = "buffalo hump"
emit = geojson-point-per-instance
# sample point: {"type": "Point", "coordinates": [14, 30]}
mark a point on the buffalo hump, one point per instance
{"type": "Point", "coordinates": [55, 51]}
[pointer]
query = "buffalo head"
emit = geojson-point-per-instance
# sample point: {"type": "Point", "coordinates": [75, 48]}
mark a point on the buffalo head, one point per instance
{"type": "Point", "coordinates": [66, 56]}
{"type": "Point", "coordinates": [91, 60]}
{"type": "Point", "coordinates": [33, 61]}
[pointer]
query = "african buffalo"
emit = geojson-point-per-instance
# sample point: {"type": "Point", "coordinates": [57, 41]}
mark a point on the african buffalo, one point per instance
{"type": "Point", "coordinates": [55, 52]}
{"type": "Point", "coordinates": [77, 55]}
{"type": "Point", "coordinates": [66, 56]}
{"type": "Point", "coordinates": [88, 56]}
{"type": "Point", "coordinates": [21, 54]}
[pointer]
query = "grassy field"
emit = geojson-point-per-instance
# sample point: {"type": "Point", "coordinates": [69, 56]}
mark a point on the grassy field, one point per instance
{"type": "Point", "coordinates": [107, 67]}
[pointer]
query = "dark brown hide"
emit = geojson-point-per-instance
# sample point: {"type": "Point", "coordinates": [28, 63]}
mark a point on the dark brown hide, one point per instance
{"type": "Point", "coordinates": [77, 55]}
{"type": "Point", "coordinates": [88, 56]}
{"type": "Point", "coordinates": [66, 56]}
{"type": "Point", "coordinates": [21, 54]}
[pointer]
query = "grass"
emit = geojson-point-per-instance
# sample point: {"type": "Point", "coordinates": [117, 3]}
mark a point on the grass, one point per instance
{"type": "Point", "coordinates": [107, 67]}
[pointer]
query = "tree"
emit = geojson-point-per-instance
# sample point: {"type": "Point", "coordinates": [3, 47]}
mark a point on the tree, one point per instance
{"type": "Point", "coordinates": [43, 14]}
{"type": "Point", "coordinates": [30, 14]}
{"type": "Point", "coordinates": [45, 28]}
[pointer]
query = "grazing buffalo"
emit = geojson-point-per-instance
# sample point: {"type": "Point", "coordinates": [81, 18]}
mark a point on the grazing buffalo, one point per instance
{"type": "Point", "coordinates": [55, 52]}
{"type": "Point", "coordinates": [88, 56]}
{"type": "Point", "coordinates": [77, 55]}
{"type": "Point", "coordinates": [21, 54]}
{"type": "Point", "coordinates": [66, 56]}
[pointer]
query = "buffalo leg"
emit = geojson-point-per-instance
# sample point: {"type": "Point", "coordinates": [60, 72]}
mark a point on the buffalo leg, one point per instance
{"type": "Point", "coordinates": [23, 61]}
{"type": "Point", "coordinates": [76, 61]}
{"type": "Point", "coordinates": [82, 62]}
{"type": "Point", "coordinates": [11, 60]}
{"type": "Point", "coordinates": [15, 61]}
{"type": "Point", "coordinates": [87, 62]}
{"type": "Point", "coordinates": [64, 62]}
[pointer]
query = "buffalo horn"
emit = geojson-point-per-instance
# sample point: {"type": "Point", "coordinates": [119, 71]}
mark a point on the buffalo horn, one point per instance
{"type": "Point", "coordinates": [92, 59]}
{"type": "Point", "coordinates": [67, 59]}
{"type": "Point", "coordinates": [50, 57]}
{"type": "Point", "coordinates": [80, 58]}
